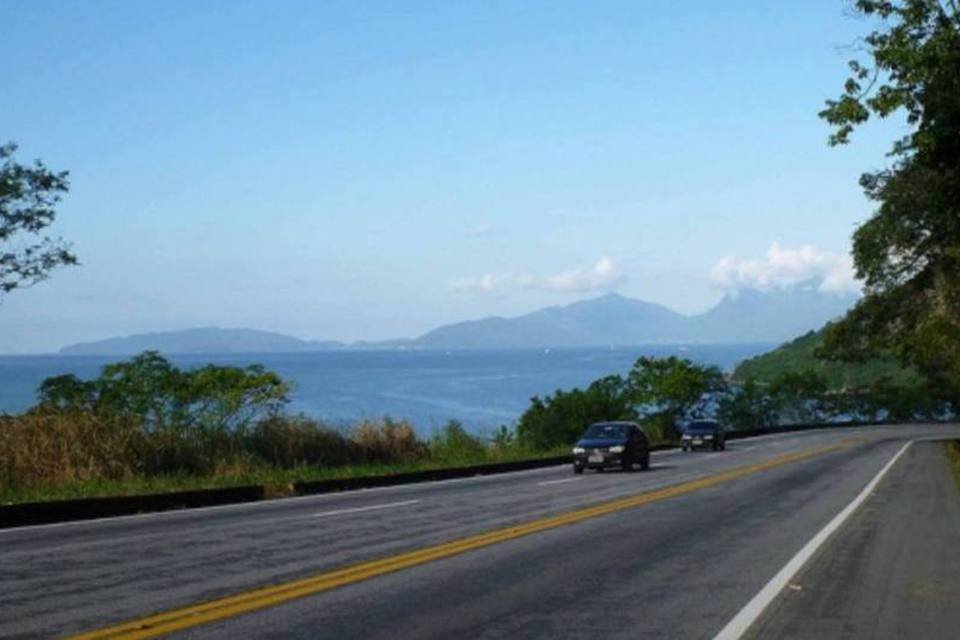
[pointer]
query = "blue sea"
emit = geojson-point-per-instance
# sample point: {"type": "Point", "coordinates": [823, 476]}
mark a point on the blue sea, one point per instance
{"type": "Point", "coordinates": [482, 389]}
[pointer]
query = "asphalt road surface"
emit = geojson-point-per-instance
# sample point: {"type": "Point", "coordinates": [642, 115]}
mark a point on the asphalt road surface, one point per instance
{"type": "Point", "coordinates": [684, 550]}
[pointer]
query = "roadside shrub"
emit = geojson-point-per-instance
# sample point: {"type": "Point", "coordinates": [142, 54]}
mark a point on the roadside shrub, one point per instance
{"type": "Point", "coordinates": [453, 443]}
{"type": "Point", "coordinates": [387, 441]}
{"type": "Point", "coordinates": [504, 439]}
{"type": "Point", "coordinates": [193, 451]}
{"type": "Point", "coordinates": [288, 442]}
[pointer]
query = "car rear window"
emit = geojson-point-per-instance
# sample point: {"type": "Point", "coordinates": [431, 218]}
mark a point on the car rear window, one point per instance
{"type": "Point", "coordinates": [606, 431]}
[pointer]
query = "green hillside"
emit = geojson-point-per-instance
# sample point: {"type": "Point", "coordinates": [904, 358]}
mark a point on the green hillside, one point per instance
{"type": "Point", "coordinates": [799, 355]}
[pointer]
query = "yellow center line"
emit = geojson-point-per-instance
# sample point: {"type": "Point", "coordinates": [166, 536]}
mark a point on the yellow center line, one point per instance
{"type": "Point", "coordinates": [261, 598]}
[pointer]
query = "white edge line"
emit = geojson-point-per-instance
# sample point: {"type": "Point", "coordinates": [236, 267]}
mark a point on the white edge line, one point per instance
{"type": "Point", "coordinates": [375, 507]}
{"type": "Point", "coordinates": [752, 611]}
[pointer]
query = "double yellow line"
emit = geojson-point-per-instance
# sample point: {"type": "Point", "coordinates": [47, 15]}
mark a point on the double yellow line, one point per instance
{"type": "Point", "coordinates": [230, 606]}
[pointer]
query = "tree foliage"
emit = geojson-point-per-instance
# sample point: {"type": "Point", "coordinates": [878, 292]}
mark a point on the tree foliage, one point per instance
{"type": "Point", "coordinates": [673, 386]}
{"type": "Point", "coordinates": [560, 418]}
{"type": "Point", "coordinates": [908, 252]}
{"type": "Point", "coordinates": [748, 406]}
{"type": "Point", "coordinates": [162, 396]}
{"type": "Point", "coordinates": [800, 396]}
{"type": "Point", "coordinates": [657, 391]}
{"type": "Point", "coordinates": [28, 195]}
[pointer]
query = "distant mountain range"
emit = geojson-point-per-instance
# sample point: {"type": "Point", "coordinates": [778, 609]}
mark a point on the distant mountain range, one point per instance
{"type": "Point", "coordinates": [748, 316]}
{"type": "Point", "coordinates": [610, 320]}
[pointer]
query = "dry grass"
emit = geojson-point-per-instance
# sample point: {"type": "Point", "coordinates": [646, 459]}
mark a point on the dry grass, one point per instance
{"type": "Point", "coordinates": [58, 454]}
{"type": "Point", "coordinates": [44, 447]}
{"type": "Point", "coordinates": [387, 441]}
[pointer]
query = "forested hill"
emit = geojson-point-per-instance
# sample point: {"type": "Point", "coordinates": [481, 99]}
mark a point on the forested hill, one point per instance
{"type": "Point", "coordinates": [800, 355]}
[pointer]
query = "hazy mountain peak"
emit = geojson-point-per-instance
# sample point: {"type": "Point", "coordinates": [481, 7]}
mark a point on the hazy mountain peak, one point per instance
{"type": "Point", "coordinates": [749, 315]}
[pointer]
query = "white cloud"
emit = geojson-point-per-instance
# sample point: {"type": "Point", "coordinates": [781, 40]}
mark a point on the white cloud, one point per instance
{"type": "Point", "coordinates": [784, 267]}
{"type": "Point", "coordinates": [481, 230]}
{"type": "Point", "coordinates": [602, 276]}
{"type": "Point", "coordinates": [484, 284]}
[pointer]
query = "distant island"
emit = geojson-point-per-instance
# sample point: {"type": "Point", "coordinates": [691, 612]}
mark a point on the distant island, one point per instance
{"type": "Point", "coordinates": [201, 340]}
{"type": "Point", "coordinates": [609, 320]}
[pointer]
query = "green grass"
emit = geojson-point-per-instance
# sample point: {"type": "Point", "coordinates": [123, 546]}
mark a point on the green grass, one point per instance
{"type": "Point", "coordinates": [277, 481]}
{"type": "Point", "coordinates": [953, 454]}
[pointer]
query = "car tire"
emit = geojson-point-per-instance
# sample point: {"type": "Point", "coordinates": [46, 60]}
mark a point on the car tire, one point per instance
{"type": "Point", "coordinates": [626, 465]}
{"type": "Point", "coordinates": [723, 446]}
{"type": "Point", "coordinates": [645, 463]}
{"type": "Point", "coordinates": [578, 469]}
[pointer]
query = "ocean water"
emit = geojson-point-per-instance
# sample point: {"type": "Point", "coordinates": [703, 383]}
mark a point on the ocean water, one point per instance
{"type": "Point", "coordinates": [482, 389]}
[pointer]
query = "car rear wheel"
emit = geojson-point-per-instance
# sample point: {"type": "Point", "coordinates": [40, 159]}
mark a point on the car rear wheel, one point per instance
{"type": "Point", "coordinates": [626, 464]}
{"type": "Point", "coordinates": [645, 463]}
{"type": "Point", "coordinates": [578, 468]}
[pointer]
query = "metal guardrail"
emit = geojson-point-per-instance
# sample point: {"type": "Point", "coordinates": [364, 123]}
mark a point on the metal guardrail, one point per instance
{"type": "Point", "coordinates": [32, 513]}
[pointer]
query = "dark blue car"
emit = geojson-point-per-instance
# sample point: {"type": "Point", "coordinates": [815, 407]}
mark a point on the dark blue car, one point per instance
{"type": "Point", "coordinates": [611, 444]}
{"type": "Point", "coordinates": [703, 434]}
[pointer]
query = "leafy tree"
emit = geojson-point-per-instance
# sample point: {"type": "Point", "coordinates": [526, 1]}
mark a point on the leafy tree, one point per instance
{"type": "Point", "coordinates": [67, 392]}
{"type": "Point", "coordinates": [896, 402]}
{"type": "Point", "coordinates": [147, 386]}
{"type": "Point", "coordinates": [561, 418]}
{"type": "Point", "coordinates": [28, 195]}
{"type": "Point", "coordinates": [908, 252]}
{"type": "Point", "coordinates": [161, 396]}
{"type": "Point", "coordinates": [799, 396]}
{"type": "Point", "coordinates": [670, 389]}
{"type": "Point", "coordinates": [230, 397]}
{"type": "Point", "coordinates": [747, 406]}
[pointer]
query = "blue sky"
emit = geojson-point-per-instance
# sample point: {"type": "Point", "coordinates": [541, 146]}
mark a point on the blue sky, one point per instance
{"type": "Point", "coordinates": [372, 170]}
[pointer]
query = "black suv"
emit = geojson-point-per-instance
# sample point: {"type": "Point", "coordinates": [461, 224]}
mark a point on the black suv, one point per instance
{"type": "Point", "coordinates": [703, 433]}
{"type": "Point", "coordinates": [609, 444]}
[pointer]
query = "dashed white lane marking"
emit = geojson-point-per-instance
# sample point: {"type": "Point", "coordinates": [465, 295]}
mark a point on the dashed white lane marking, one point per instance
{"type": "Point", "coordinates": [749, 614]}
{"type": "Point", "coordinates": [543, 484]}
{"type": "Point", "coordinates": [375, 507]}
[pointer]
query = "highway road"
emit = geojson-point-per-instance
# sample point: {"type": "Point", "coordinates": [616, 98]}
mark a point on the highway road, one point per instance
{"type": "Point", "coordinates": [847, 532]}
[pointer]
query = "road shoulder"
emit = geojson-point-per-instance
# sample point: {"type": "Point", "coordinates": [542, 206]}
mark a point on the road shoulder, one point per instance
{"type": "Point", "coordinates": [892, 571]}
